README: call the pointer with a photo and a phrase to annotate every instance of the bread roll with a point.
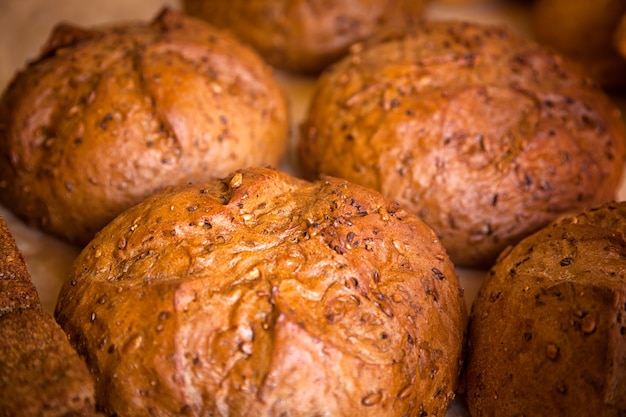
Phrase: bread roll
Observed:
(106, 116)
(306, 35)
(584, 30)
(485, 135)
(17, 291)
(266, 295)
(40, 373)
(547, 330)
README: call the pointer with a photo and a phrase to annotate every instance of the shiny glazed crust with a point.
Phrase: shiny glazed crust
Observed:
(107, 116)
(548, 328)
(265, 295)
(484, 135)
(306, 35)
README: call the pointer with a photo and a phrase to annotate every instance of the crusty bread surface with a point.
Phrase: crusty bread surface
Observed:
(266, 295)
(106, 116)
(547, 330)
(486, 135)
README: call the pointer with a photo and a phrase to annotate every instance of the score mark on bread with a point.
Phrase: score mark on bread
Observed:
(262, 294)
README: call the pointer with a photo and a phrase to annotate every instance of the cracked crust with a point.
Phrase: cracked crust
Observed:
(485, 135)
(266, 295)
(107, 116)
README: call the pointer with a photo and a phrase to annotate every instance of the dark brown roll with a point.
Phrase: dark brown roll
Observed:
(106, 116)
(40, 372)
(17, 291)
(548, 328)
(266, 295)
(306, 35)
(485, 135)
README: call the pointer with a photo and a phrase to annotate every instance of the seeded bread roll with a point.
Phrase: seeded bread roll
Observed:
(107, 116)
(266, 295)
(485, 135)
(306, 35)
(548, 328)
(40, 372)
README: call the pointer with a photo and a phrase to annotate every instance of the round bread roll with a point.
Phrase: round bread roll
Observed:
(548, 328)
(485, 135)
(306, 35)
(584, 30)
(266, 295)
(106, 116)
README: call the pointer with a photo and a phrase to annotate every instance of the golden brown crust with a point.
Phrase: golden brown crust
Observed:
(547, 328)
(484, 135)
(85, 134)
(306, 35)
(265, 295)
